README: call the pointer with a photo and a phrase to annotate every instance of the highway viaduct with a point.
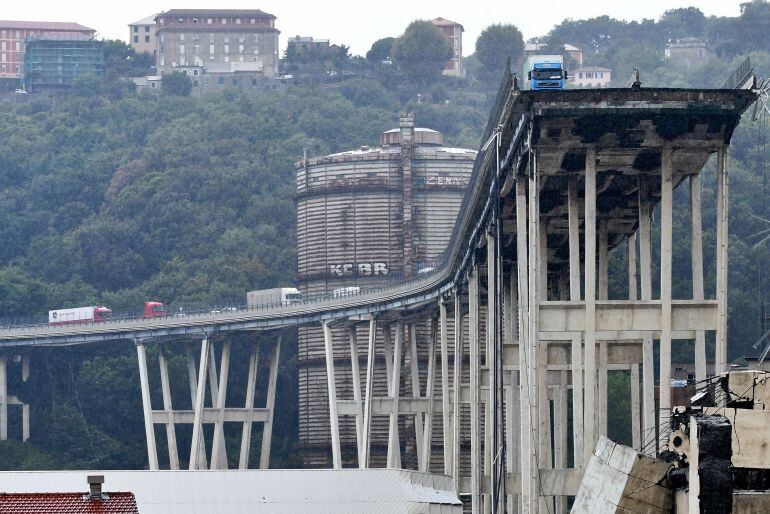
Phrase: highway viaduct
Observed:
(562, 179)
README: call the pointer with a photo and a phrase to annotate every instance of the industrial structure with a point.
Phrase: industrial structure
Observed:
(562, 179)
(55, 61)
(217, 40)
(367, 218)
(14, 35)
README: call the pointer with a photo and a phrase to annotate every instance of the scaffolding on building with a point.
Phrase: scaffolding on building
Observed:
(56, 60)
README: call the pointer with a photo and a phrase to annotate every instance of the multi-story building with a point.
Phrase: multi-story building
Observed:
(306, 43)
(689, 52)
(217, 40)
(143, 36)
(56, 60)
(453, 32)
(591, 76)
(571, 51)
(14, 34)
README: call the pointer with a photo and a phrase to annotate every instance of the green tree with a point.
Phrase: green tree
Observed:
(177, 83)
(498, 43)
(422, 52)
(380, 50)
(121, 60)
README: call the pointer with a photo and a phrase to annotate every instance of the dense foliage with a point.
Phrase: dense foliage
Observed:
(114, 198)
(421, 52)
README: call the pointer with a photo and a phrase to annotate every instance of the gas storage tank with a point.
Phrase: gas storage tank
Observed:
(368, 217)
(373, 215)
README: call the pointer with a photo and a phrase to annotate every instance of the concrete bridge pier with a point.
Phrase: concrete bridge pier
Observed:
(7, 400)
(218, 414)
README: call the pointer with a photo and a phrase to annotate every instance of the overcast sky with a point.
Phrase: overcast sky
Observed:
(358, 23)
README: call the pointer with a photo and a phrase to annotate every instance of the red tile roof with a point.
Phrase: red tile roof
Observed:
(66, 503)
(59, 26)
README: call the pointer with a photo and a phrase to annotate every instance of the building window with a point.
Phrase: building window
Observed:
(146, 28)
(195, 20)
(227, 58)
(136, 29)
(3, 34)
(181, 37)
(237, 21)
(224, 21)
(580, 75)
(253, 82)
(180, 20)
(146, 39)
(253, 21)
(195, 72)
(240, 58)
(3, 57)
(241, 48)
(195, 83)
(181, 49)
(18, 46)
(209, 21)
(221, 80)
(227, 48)
(136, 39)
(211, 49)
(3, 48)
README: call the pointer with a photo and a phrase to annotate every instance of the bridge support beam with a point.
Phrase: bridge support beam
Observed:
(149, 427)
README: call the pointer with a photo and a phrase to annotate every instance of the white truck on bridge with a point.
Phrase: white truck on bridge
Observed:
(276, 296)
(92, 314)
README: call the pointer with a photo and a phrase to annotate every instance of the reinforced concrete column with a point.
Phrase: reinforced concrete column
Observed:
(267, 428)
(720, 361)
(25, 406)
(367, 431)
(427, 437)
(415, 375)
(201, 462)
(603, 351)
(590, 303)
(560, 423)
(666, 250)
(696, 230)
(577, 342)
(200, 396)
(243, 461)
(4, 399)
(393, 438)
(636, 435)
(649, 433)
(475, 396)
(218, 449)
(214, 390)
(149, 427)
(331, 388)
(529, 469)
(491, 419)
(173, 454)
(355, 373)
(457, 387)
(446, 410)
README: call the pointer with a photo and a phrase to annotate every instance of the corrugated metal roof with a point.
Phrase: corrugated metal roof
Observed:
(59, 26)
(66, 503)
(259, 491)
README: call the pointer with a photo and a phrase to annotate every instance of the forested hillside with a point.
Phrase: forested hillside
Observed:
(114, 198)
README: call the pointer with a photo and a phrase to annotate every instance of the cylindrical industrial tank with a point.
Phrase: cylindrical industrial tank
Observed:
(368, 217)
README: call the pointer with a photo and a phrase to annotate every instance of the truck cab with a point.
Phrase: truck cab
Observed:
(545, 72)
(154, 310)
